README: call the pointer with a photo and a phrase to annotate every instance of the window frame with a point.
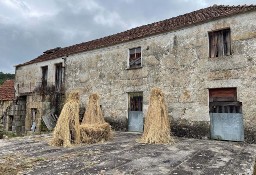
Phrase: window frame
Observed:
(129, 58)
(224, 100)
(44, 76)
(135, 101)
(59, 76)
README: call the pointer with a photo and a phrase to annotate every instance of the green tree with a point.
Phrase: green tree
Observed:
(6, 76)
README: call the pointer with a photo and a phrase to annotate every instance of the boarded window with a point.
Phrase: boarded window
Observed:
(224, 100)
(135, 57)
(219, 43)
(58, 77)
(135, 101)
(44, 76)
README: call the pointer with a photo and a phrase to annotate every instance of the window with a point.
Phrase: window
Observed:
(58, 77)
(224, 100)
(135, 101)
(135, 57)
(44, 76)
(219, 43)
(222, 94)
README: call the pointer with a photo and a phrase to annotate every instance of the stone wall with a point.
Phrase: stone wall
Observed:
(178, 62)
(42, 108)
(27, 84)
(19, 117)
(14, 117)
(29, 77)
(3, 106)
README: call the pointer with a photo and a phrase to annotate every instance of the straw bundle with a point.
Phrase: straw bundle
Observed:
(94, 128)
(67, 130)
(93, 113)
(157, 123)
(93, 133)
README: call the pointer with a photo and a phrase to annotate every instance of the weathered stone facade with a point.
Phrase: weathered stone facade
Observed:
(28, 84)
(178, 62)
(4, 105)
(12, 113)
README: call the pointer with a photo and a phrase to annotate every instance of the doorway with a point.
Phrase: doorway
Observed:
(10, 122)
(135, 112)
(226, 118)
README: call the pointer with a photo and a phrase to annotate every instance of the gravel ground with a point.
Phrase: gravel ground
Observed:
(123, 155)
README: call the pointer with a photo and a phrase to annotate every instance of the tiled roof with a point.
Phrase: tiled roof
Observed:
(192, 18)
(7, 91)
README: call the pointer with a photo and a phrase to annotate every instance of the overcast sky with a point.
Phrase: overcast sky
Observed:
(29, 27)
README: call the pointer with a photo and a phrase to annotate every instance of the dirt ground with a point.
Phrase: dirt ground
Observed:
(123, 155)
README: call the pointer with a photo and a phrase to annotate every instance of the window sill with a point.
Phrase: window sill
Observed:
(131, 68)
(224, 56)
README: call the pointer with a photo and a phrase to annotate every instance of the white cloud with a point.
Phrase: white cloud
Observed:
(29, 27)
(109, 18)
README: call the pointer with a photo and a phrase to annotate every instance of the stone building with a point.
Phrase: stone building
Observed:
(40, 86)
(204, 62)
(7, 97)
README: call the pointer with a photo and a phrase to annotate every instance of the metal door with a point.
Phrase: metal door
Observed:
(135, 113)
(227, 126)
(135, 121)
(226, 114)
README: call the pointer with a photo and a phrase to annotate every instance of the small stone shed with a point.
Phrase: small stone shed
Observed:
(7, 97)
(204, 61)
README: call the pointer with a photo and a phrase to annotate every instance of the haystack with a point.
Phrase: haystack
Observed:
(157, 123)
(94, 128)
(93, 133)
(67, 129)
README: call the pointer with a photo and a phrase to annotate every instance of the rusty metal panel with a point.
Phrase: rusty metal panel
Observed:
(135, 122)
(227, 126)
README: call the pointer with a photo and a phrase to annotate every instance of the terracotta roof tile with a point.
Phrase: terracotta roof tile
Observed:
(7, 91)
(196, 17)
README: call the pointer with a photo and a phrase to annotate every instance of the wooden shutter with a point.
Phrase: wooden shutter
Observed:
(220, 44)
(212, 45)
(228, 41)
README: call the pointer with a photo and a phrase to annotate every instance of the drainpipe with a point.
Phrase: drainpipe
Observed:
(64, 72)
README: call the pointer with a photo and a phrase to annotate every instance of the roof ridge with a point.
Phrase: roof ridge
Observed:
(162, 26)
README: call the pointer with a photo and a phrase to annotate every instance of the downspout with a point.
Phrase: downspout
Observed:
(64, 73)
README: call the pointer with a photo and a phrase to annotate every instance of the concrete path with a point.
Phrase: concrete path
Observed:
(123, 155)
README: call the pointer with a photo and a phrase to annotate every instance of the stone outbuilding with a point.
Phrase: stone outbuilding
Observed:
(7, 97)
(204, 62)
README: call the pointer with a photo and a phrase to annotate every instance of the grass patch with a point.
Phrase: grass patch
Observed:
(15, 163)
(11, 134)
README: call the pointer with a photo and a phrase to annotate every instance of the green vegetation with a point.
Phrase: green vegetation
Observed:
(6, 76)
(10, 134)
